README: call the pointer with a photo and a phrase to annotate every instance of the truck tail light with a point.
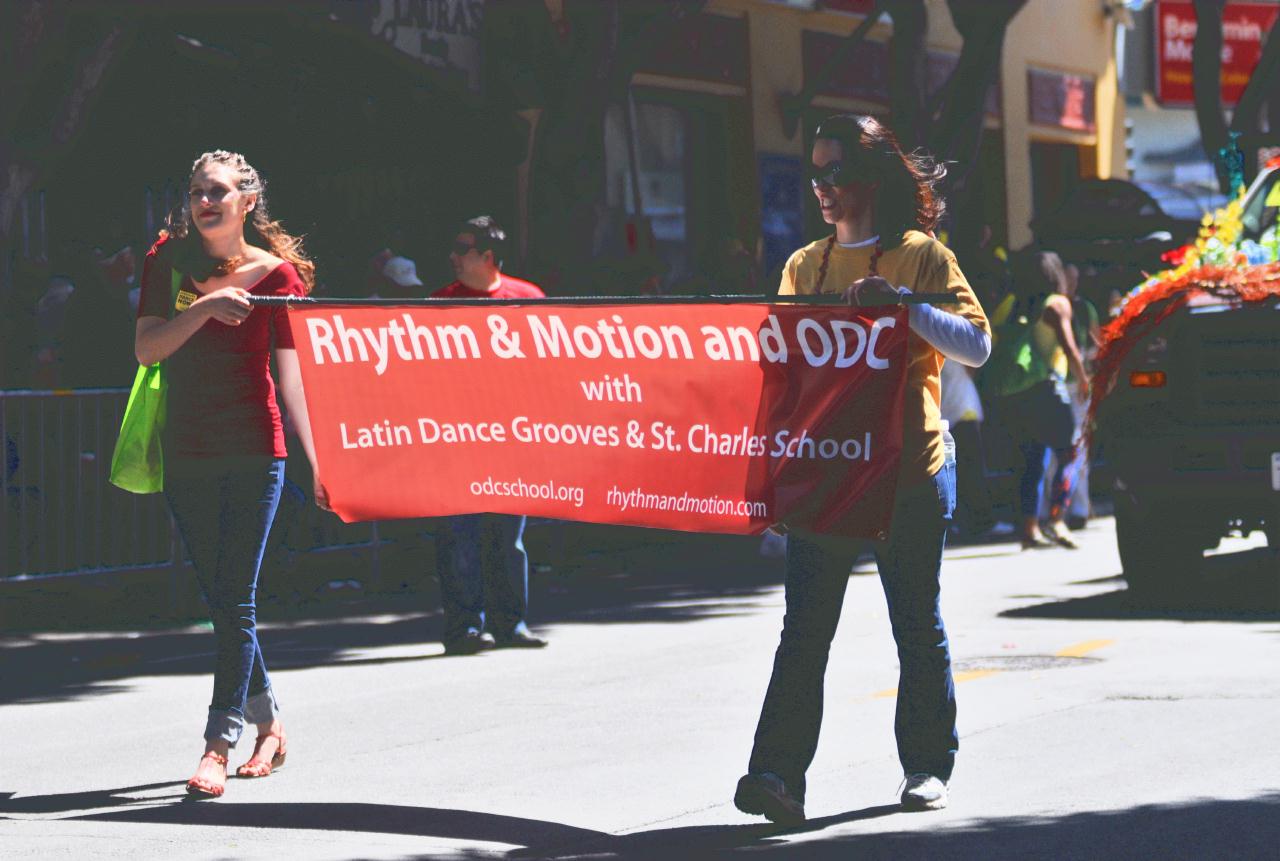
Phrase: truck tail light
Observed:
(1147, 379)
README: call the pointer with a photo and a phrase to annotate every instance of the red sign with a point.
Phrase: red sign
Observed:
(718, 418)
(1244, 27)
(1061, 100)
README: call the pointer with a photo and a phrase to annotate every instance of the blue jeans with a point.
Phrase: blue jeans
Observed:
(484, 573)
(910, 563)
(224, 508)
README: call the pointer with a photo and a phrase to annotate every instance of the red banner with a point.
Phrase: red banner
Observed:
(1244, 27)
(709, 417)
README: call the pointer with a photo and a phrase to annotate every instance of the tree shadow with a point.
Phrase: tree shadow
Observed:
(366, 818)
(1200, 828)
(618, 576)
(89, 800)
(1207, 828)
(1231, 587)
(697, 841)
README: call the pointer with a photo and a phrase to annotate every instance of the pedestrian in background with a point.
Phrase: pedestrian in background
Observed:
(223, 441)
(1086, 328)
(482, 564)
(399, 279)
(961, 409)
(882, 205)
(391, 276)
(1034, 403)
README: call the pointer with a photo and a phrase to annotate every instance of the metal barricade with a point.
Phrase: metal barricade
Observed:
(59, 515)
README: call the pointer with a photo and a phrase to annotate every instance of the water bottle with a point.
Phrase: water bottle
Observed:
(948, 443)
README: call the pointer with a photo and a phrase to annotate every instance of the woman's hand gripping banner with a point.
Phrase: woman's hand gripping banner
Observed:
(699, 417)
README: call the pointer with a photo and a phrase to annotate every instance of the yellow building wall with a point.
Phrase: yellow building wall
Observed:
(1072, 36)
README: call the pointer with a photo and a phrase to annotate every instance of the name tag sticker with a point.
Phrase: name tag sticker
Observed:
(184, 300)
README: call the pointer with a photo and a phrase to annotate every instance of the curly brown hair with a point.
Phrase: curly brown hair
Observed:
(908, 196)
(272, 233)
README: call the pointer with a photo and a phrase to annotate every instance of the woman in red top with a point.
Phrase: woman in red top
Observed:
(224, 443)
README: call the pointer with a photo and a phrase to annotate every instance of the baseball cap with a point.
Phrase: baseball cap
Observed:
(402, 271)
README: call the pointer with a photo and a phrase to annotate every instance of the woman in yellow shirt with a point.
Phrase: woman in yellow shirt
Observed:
(882, 206)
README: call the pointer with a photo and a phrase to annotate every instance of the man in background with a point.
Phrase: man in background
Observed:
(483, 567)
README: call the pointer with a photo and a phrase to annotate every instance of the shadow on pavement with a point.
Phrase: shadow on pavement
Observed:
(1232, 587)
(371, 818)
(697, 841)
(1199, 829)
(670, 577)
(1206, 828)
(68, 801)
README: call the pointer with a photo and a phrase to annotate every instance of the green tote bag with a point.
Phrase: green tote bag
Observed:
(137, 465)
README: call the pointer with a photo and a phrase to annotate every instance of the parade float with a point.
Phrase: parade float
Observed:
(1185, 406)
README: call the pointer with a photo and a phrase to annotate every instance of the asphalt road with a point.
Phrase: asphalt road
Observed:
(1091, 727)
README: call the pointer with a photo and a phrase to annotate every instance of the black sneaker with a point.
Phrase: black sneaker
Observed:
(924, 792)
(765, 794)
(470, 643)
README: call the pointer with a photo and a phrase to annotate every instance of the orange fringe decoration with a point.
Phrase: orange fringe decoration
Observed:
(1148, 309)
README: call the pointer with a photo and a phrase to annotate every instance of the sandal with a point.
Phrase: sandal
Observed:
(201, 788)
(1059, 533)
(257, 767)
(1036, 542)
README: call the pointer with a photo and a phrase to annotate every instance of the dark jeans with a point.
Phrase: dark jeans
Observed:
(1034, 456)
(484, 573)
(1040, 419)
(224, 508)
(910, 564)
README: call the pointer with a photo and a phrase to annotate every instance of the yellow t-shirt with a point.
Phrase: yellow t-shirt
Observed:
(923, 265)
(1045, 339)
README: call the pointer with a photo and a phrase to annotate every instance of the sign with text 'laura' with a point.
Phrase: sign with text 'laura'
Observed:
(718, 418)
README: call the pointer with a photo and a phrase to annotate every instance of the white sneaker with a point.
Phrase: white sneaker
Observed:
(924, 792)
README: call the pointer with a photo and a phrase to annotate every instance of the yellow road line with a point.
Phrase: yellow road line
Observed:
(966, 676)
(1076, 650)
(1082, 649)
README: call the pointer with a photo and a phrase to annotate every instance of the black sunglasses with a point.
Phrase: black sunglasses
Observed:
(461, 248)
(837, 173)
(831, 174)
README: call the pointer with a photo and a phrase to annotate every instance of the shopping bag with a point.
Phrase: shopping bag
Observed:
(137, 464)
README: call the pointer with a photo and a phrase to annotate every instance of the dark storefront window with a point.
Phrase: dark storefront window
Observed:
(697, 223)
(1055, 170)
(658, 147)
